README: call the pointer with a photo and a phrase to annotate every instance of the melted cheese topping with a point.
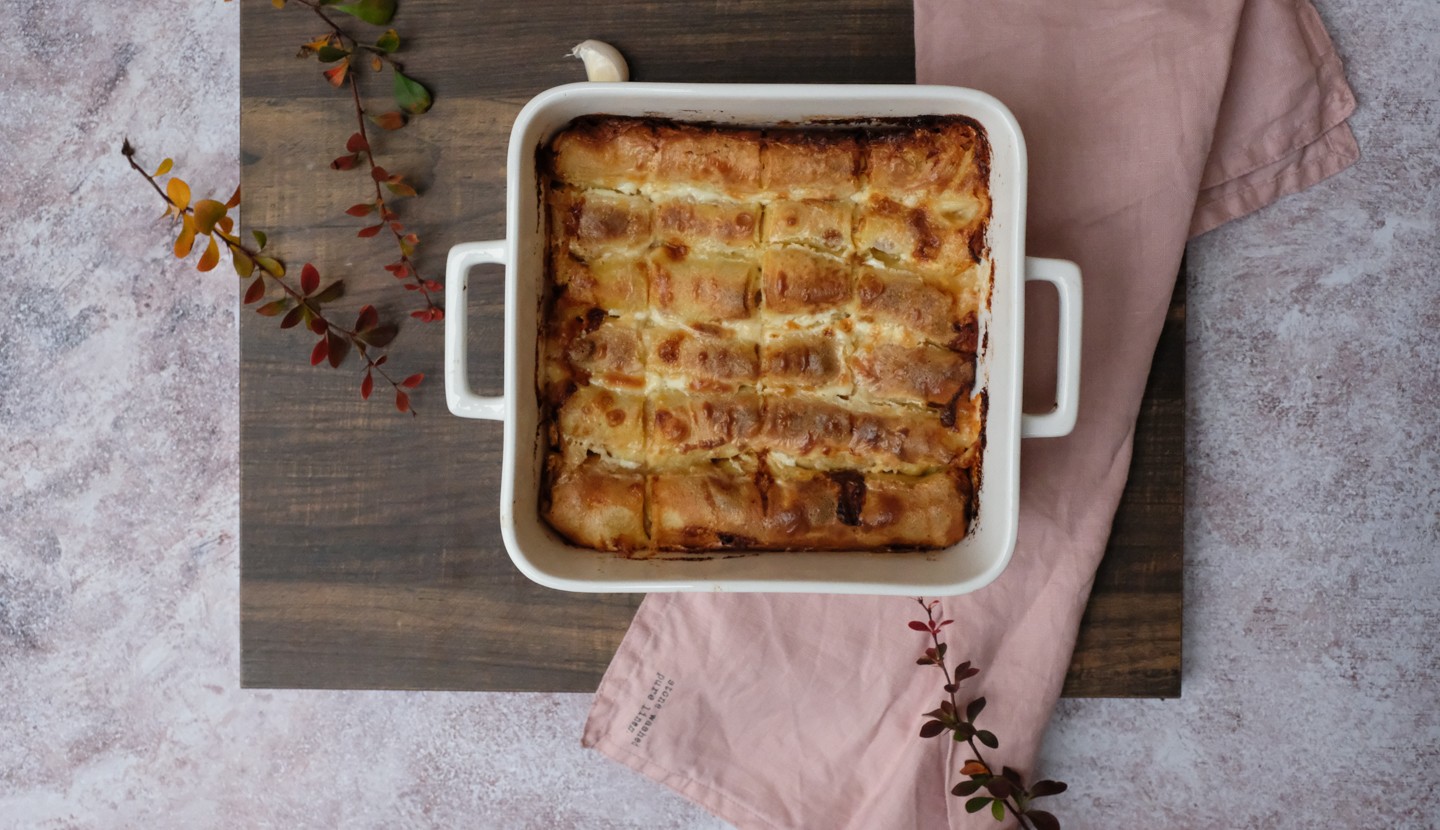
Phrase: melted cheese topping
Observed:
(763, 339)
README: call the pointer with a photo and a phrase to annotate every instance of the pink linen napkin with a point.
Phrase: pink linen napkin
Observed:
(1147, 121)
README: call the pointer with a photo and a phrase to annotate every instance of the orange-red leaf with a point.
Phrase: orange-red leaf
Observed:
(186, 240)
(367, 386)
(255, 291)
(272, 308)
(366, 233)
(339, 347)
(179, 193)
(390, 120)
(320, 352)
(210, 258)
(345, 162)
(973, 767)
(402, 401)
(413, 381)
(376, 64)
(309, 279)
(356, 143)
(362, 209)
(379, 174)
(226, 225)
(234, 198)
(336, 77)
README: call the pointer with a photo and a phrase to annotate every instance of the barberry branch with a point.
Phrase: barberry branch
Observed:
(1007, 790)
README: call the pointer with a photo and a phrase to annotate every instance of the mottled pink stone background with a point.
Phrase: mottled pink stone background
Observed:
(1312, 675)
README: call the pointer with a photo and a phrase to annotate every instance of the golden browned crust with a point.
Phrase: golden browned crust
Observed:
(762, 339)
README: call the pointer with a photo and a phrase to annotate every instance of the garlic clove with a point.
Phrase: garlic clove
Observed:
(603, 62)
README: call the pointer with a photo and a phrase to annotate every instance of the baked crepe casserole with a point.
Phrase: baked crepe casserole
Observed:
(762, 339)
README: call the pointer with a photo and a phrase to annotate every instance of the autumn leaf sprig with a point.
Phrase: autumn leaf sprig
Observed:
(1005, 791)
(305, 303)
(342, 49)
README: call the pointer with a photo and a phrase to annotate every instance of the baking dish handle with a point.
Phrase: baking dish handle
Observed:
(1065, 276)
(458, 395)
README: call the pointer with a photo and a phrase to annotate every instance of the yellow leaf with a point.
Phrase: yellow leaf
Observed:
(207, 213)
(179, 193)
(279, 4)
(973, 767)
(271, 266)
(186, 240)
(211, 257)
(244, 265)
(164, 167)
(226, 224)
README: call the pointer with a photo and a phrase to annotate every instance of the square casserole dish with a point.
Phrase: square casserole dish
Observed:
(543, 556)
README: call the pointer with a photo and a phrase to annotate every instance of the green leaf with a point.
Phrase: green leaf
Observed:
(388, 42)
(997, 809)
(965, 788)
(1043, 820)
(975, 708)
(273, 307)
(330, 54)
(271, 266)
(1047, 787)
(987, 738)
(377, 12)
(260, 238)
(976, 804)
(331, 292)
(410, 95)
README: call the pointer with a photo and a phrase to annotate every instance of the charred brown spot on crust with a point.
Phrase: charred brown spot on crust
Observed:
(616, 417)
(672, 428)
(850, 501)
(669, 349)
(927, 243)
(763, 480)
(978, 243)
(734, 540)
(967, 334)
(594, 318)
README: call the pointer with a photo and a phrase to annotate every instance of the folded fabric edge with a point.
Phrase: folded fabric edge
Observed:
(721, 804)
(1313, 163)
(1288, 135)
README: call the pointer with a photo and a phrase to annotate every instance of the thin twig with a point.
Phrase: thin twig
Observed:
(955, 701)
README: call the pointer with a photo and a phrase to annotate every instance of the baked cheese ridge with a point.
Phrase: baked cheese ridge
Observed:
(762, 339)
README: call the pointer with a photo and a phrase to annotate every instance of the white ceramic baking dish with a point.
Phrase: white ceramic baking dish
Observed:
(974, 562)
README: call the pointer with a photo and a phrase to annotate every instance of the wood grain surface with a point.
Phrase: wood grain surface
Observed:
(370, 550)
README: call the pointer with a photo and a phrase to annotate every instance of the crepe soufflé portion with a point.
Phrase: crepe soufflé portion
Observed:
(762, 339)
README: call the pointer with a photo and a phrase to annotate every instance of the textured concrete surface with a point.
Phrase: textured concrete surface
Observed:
(1313, 575)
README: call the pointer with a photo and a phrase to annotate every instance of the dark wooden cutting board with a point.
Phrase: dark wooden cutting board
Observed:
(370, 550)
